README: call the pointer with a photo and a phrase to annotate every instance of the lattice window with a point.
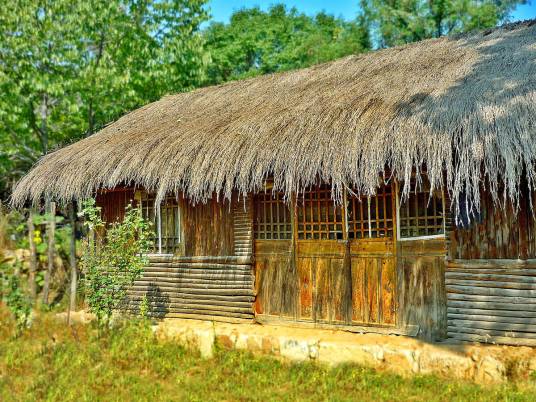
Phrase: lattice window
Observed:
(318, 216)
(421, 214)
(272, 217)
(371, 217)
(166, 222)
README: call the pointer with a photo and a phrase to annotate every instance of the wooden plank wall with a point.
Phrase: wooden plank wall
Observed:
(499, 233)
(214, 280)
(208, 229)
(211, 288)
(113, 203)
(491, 276)
(421, 287)
(492, 301)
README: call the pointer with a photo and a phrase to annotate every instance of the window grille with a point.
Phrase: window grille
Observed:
(318, 216)
(371, 217)
(422, 214)
(272, 217)
(166, 222)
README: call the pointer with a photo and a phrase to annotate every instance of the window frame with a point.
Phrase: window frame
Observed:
(158, 243)
(425, 237)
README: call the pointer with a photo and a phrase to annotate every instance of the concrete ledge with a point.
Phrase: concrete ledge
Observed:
(400, 354)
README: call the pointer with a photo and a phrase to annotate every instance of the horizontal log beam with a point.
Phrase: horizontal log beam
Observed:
(185, 301)
(491, 332)
(503, 340)
(195, 307)
(518, 277)
(493, 312)
(201, 266)
(169, 289)
(166, 312)
(497, 326)
(490, 305)
(491, 284)
(195, 281)
(492, 299)
(239, 260)
(195, 296)
(502, 263)
(485, 291)
(473, 316)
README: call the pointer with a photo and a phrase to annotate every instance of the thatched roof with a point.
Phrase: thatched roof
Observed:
(461, 105)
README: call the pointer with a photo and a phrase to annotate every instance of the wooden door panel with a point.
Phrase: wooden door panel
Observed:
(305, 286)
(339, 294)
(372, 284)
(358, 290)
(321, 289)
(388, 287)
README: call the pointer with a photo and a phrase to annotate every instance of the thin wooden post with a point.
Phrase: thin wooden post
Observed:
(347, 261)
(51, 228)
(33, 256)
(72, 260)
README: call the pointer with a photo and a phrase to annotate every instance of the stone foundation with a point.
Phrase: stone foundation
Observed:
(475, 362)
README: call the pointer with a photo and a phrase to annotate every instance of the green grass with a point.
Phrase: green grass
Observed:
(51, 362)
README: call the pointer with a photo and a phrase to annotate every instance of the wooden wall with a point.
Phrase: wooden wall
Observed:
(208, 229)
(113, 203)
(211, 288)
(492, 301)
(215, 280)
(498, 233)
(491, 276)
(421, 287)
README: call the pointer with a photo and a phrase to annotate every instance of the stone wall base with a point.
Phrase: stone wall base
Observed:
(403, 355)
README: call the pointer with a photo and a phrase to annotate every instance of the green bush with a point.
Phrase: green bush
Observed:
(114, 260)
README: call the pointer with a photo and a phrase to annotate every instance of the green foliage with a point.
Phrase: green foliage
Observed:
(16, 300)
(71, 363)
(69, 66)
(116, 260)
(144, 307)
(257, 42)
(396, 22)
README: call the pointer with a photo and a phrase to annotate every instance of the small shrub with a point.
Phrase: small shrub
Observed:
(18, 303)
(114, 261)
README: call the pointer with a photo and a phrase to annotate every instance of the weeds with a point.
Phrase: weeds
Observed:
(55, 362)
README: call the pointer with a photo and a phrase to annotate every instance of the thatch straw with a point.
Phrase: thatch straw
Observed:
(465, 106)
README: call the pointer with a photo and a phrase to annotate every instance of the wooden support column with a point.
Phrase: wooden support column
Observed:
(33, 256)
(72, 260)
(347, 261)
(51, 245)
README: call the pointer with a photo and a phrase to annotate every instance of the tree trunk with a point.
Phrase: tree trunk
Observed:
(72, 258)
(33, 257)
(50, 235)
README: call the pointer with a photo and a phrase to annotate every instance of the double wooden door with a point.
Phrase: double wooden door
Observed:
(327, 281)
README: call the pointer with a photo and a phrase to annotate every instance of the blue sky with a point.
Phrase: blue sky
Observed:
(222, 9)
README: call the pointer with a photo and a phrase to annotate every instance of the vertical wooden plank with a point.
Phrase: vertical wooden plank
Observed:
(338, 287)
(305, 310)
(321, 300)
(388, 287)
(371, 291)
(358, 291)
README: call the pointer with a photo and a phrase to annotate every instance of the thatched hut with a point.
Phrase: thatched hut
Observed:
(386, 192)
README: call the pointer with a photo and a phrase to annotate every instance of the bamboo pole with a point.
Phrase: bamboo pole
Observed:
(51, 228)
(72, 259)
(33, 256)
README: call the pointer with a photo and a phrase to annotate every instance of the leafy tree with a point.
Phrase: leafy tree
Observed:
(395, 22)
(257, 42)
(119, 261)
(69, 66)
